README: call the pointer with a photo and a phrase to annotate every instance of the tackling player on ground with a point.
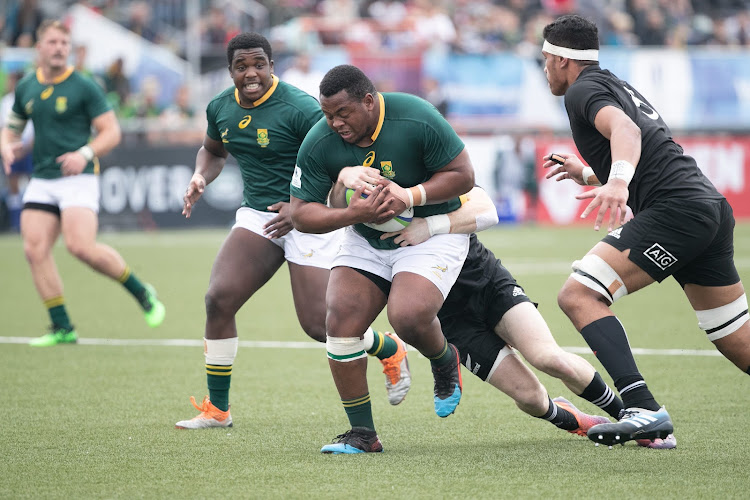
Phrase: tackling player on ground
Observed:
(63, 194)
(486, 310)
(682, 226)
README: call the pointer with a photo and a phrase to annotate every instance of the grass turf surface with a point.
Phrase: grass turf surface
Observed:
(96, 421)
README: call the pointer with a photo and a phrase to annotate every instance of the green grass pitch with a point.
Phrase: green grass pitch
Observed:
(96, 420)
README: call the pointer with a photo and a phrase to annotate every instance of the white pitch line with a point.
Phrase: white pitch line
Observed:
(272, 344)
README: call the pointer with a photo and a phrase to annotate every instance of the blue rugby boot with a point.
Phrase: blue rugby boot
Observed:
(634, 423)
(355, 440)
(448, 385)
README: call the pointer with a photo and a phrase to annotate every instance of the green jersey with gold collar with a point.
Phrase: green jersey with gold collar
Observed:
(62, 112)
(264, 139)
(411, 142)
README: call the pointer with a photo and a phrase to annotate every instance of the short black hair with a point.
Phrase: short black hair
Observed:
(573, 32)
(349, 78)
(248, 40)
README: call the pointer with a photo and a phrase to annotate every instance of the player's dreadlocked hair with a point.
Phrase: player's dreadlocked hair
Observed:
(248, 41)
(349, 78)
(574, 32)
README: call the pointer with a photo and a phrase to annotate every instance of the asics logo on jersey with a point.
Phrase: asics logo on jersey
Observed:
(308, 255)
(47, 92)
(642, 106)
(245, 121)
(659, 256)
(369, 159)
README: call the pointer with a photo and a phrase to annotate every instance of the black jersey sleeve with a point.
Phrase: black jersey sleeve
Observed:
(586, 98)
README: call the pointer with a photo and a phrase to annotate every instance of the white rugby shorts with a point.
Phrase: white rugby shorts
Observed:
(305, 249)
(71, 191)
(438, 259)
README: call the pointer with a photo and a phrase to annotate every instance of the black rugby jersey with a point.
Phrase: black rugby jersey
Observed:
(663, 171)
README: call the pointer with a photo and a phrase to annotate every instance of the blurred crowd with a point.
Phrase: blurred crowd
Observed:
(301, 26)
(468, 26)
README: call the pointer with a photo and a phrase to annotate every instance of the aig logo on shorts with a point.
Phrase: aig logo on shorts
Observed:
(659, 256)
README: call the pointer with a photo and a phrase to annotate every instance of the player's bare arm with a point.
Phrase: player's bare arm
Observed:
(107, 136)
(312, 217)
(10, 141)
(209, 163)
(625, 143)
(477, 213)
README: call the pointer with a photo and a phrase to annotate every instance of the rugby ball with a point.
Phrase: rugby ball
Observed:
(396, 224)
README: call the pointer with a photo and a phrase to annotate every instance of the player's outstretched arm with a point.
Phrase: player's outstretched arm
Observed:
(10, 141)
(476, 213)
(209, 163)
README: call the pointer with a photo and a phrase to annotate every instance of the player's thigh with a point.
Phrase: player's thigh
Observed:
(309, 284)
(524, 328)
(353, 301)
(79, 226)
(413, 295)
(245, 262)
(39, 230)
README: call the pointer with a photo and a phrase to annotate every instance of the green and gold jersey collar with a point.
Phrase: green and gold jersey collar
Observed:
(263, 99)
(381, 118)
(58, 79)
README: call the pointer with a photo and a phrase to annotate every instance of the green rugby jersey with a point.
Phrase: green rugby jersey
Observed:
(264, 139)
(62, 112)
(411, 142)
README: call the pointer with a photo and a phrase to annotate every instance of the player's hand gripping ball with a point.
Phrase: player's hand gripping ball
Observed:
(396, 224)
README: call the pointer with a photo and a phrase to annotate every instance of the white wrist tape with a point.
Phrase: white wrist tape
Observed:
(622, 169)
(589, 175)
(438, 224)
(424, 194)
(411, 198)
(86, 152)
(487, 219)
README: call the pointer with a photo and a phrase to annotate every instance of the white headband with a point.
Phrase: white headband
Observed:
(577, 54)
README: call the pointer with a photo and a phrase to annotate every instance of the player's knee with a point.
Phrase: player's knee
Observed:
(79, 250)
(314, 328)
(600, 282)
(219, 303)
(725, 320)
(35, 251)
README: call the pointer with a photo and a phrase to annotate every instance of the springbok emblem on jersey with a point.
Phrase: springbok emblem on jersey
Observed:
(224, 135)
(61, 104)
(386, 168)
(263, 137)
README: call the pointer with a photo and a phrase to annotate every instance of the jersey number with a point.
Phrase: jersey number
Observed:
(642, 106)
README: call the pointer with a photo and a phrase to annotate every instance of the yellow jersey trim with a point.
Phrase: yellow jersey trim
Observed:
(56, 80)
(381, 119)
(263, 99)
